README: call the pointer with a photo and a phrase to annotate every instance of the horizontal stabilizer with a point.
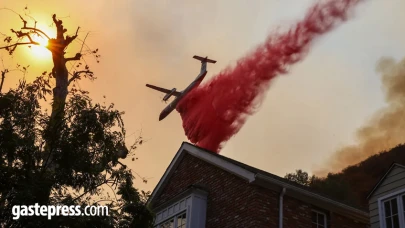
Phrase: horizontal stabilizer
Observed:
(206, 59)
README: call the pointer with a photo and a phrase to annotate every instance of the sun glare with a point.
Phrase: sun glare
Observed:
(40, 51)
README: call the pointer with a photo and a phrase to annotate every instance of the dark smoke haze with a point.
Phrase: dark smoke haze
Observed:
(386, 129)
(215, 111)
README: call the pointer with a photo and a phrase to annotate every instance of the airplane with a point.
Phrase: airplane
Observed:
(180, 94)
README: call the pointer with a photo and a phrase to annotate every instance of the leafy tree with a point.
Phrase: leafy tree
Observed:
(332, 185)
(70, 156)
(134, 211)
(300, 177)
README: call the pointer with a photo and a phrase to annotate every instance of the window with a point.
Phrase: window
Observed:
(318, 219)
(178, 221)
(393, 212)
(181, 221)
(175, 213)
(168, 224)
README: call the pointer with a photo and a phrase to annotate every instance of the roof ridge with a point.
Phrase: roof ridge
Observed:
(257, 170)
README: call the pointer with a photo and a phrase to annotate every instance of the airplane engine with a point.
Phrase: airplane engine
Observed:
(167, 96)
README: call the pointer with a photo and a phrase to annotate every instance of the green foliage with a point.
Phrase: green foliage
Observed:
(86, 153)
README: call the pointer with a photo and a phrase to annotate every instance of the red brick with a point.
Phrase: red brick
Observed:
(233, 202)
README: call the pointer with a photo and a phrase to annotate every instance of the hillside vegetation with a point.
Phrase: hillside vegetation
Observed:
(354, 183)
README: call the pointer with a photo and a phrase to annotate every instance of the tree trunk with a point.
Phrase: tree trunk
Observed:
(60, 92)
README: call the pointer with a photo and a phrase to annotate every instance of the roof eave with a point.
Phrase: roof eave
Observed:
(177, 158)
(351, 211)
(383, 178)
(251, 177)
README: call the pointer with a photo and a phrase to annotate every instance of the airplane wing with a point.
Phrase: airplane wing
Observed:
(163, 90)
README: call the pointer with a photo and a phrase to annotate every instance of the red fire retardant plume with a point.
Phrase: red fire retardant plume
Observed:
(215, 111)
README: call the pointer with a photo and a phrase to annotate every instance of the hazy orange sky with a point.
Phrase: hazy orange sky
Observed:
(307, 115)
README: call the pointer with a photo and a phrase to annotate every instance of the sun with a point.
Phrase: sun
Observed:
(40, 51)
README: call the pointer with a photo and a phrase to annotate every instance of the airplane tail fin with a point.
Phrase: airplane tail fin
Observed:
(206, 59)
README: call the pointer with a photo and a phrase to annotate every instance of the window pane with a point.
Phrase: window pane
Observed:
(181, 221)
(168, 224)
(387, 208)
(184, 219)
(394, 206)
(395, 221)
(321, 219)
(314, 225)
(314, 218)
(388, 222)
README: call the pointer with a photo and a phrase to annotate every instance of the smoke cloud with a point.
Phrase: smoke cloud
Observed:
(215, 111)
(386, 129)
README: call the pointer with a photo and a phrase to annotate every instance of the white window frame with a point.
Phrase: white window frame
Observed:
(401, 207)
(175, 219)
(192, 201)
(325, 220)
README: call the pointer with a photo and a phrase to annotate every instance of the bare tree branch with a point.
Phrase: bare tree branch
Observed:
(20, 34)
(37, 31)
(83, 43)
(14, 46)
(32, 30)
(24, 21)
(95, 187)
(77, 57)
(116, 198)
(3, 76)
(59, 28)
(69, 39)
(76, 75)
(144, 180)
(4, 8)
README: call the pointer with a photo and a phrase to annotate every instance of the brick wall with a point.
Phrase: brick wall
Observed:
(338, 221)
(233, 202)
(297, 214)
(236, 202)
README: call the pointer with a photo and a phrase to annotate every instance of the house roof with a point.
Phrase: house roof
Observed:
(254, 176)
(393, 165)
